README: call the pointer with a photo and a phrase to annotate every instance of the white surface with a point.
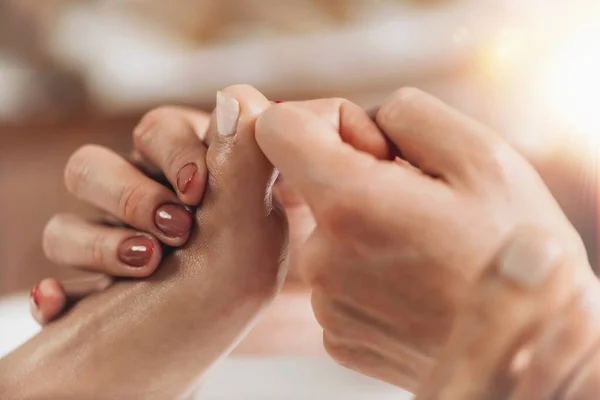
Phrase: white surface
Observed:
(289, 378)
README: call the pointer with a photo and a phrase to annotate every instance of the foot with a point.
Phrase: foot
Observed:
(152, 339)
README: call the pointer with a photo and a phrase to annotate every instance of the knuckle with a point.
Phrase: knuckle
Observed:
(50, 236)
(333, 321)
(144, 132)
(129, 200)
(96, 249)
(399, 103)
(78, 167)
(500, 162)
(497, 162)
(340, 351)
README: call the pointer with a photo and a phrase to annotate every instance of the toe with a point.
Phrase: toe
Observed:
(238, 206)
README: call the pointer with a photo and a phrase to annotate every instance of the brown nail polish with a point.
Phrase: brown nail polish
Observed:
(136, 251)
(173, 220)
(185, 176)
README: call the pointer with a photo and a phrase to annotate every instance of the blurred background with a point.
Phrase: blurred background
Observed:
(77, 71)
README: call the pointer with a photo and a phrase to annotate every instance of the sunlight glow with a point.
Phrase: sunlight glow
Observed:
(569, 84)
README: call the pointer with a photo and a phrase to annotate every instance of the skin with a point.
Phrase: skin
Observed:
(204, 297)
(520, 341)
(102, 178)
(390, 267)
(165, 140)
(396, 246)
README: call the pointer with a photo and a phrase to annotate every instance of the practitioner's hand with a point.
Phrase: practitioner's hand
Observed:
(396, 245)
(143, 214)
(529, 330)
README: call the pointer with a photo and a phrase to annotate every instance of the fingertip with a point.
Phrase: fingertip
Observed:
(174, 222)
(359, 130)
(281, 127)
(191, 183)
(48, 300)
(139, 256)
(252, 102)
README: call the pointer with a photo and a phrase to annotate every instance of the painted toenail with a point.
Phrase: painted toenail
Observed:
(228, 113)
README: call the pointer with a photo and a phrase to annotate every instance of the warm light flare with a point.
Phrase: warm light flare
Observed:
(569, 85)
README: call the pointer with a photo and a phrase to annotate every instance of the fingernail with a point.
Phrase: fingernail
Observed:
(528, 261)
(136, 251)
(173, 220)
(228, 113)
(35, 295)
(185, 176)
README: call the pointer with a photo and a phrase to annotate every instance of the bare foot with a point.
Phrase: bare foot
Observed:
(152, 339)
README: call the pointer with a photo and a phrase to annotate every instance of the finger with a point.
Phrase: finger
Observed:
(343, 322)
(356, 128)
(529, 284)
(47, 301)
(308, 151)
(438, 139)
(238, 106)
(369, 362)
(50, 298)
(564, 344)
(71, 241)
(102, 178)
(354, 125)
(404, 310)
(168, 137)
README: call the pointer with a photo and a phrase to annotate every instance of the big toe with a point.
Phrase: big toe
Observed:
(237, 210)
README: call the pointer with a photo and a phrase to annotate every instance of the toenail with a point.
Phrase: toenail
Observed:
(173, 220)
(228, 113)
(529, 261)
(136, 251)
